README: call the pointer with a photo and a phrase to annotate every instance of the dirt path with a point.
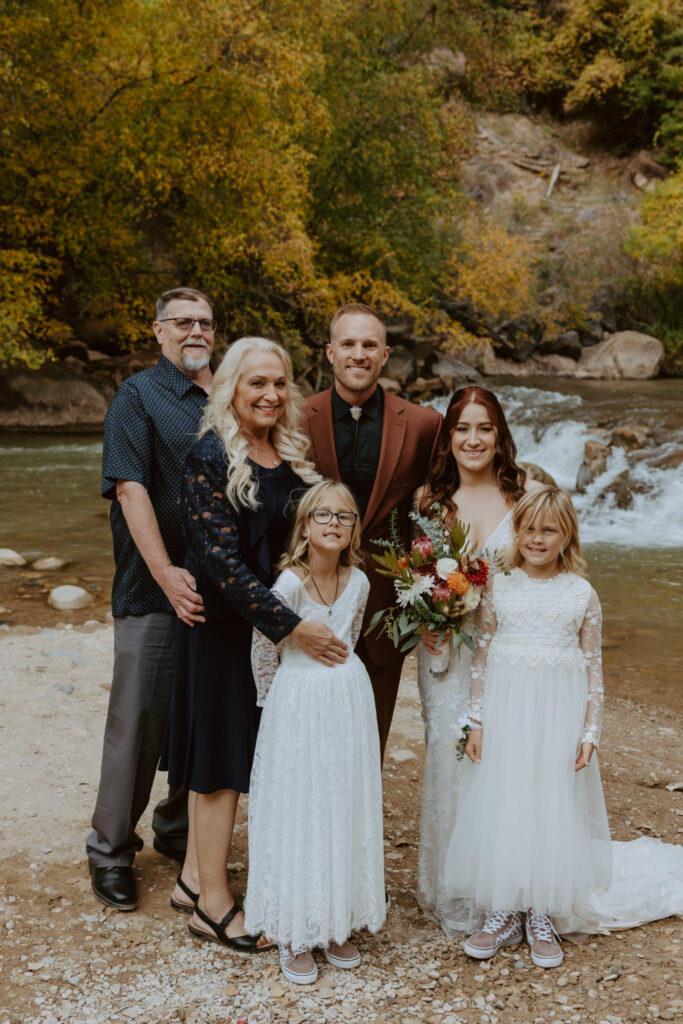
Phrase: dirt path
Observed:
(64, 957)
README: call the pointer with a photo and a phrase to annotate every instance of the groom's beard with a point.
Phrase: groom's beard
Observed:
(190, 363)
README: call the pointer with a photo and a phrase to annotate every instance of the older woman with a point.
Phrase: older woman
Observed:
(241, 479)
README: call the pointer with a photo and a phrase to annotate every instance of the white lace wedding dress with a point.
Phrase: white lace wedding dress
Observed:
(316, 852)
(532, 832)
(444, 700)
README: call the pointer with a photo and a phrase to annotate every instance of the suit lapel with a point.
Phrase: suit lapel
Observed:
(321, 430)
(393, 432)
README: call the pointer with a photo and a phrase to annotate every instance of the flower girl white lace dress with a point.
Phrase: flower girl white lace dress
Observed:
(532, 832)
(316, 853)
(444, 701)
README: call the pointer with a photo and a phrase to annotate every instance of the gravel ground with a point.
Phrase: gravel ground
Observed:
(64, 957)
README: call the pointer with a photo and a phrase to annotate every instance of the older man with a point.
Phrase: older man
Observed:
(380, 446)
(150, 425)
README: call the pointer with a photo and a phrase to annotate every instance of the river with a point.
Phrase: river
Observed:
(49, 493)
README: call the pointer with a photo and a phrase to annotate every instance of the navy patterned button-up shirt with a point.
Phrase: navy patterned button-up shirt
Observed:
(151, 424)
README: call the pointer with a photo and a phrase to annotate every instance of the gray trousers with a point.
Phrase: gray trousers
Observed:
(133, 737)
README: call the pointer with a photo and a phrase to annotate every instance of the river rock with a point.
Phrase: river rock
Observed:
(623, 489)
(49, 564)
(627, 355)
(49, 397)
(567, 344)
(554, 365)
(535, 472)
(594, 464)
(9, 557)
(390, 385)
(631, 435)
(68, 598)
(452, 371)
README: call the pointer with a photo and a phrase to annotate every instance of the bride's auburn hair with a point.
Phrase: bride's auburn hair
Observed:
(554, 504)
(443, 477)
(286, 437)
(296, 554)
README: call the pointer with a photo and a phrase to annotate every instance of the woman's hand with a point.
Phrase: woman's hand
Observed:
(319, 642)
(473, 747)
(434, 641)
(584, 758)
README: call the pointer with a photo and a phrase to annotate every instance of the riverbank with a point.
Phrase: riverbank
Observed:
(67, 958)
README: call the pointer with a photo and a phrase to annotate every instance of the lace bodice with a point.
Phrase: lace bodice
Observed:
(344, 617)
(533, 621)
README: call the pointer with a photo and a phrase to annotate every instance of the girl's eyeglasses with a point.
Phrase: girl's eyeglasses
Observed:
(322, 516)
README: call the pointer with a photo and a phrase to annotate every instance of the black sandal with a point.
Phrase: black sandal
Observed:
(241, 943)
(184, 908)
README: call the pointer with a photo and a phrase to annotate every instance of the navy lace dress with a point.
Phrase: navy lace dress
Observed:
(214, 718)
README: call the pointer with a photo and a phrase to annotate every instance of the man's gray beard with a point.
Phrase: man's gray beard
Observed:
(194, 365)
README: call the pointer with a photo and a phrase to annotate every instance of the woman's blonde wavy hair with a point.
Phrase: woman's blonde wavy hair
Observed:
(555, 504)
(287, 439)
(297, 546)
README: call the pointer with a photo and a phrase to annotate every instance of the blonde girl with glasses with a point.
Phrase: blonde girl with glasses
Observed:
(316, 867)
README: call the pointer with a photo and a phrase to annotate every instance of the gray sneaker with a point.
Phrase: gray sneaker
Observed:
(544, 942)
(501, 928)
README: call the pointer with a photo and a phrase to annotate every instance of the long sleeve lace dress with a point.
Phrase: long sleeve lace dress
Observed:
(532, 832)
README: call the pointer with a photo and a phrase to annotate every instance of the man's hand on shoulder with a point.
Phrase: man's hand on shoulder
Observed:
(180, 588)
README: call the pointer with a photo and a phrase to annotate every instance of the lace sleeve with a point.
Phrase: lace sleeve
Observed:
(265, 659)
(212, 531)
(590, 639)
(357, 624)
(485, 623)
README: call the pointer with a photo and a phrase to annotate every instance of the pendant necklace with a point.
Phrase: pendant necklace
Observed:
(265, 455)
(336, 588)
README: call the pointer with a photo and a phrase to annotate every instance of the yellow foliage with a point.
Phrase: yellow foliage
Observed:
(491, 268)
(658, 240)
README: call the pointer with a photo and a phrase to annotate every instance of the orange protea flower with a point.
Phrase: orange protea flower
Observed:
(458, 583)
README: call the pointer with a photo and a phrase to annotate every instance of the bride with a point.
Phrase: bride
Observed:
(476, 478)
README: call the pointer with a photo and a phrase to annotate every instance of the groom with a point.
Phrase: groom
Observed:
(380, 446)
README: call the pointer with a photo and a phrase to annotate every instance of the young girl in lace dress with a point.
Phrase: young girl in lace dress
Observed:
(532, 835)
(316, 864)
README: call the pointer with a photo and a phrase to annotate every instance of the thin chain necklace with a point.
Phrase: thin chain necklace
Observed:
(336, 590)
(264, 454)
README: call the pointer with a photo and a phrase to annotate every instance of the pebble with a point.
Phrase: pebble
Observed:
(68, 598)
(63, 687)
(402, 755)
(9, 557)
(49, 564)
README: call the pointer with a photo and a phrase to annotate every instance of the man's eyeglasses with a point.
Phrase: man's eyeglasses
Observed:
(186, 323)
(322, 516)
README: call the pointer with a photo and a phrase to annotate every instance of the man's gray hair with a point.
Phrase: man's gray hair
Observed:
(184, 294)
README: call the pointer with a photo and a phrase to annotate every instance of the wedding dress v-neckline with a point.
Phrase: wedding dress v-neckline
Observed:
(503, 521)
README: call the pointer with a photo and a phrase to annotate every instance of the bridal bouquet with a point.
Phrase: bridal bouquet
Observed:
(437, 583)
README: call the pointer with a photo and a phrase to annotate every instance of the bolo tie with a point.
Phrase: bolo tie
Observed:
(356, 411)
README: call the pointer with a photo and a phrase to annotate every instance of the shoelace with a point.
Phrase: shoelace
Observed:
(541, 926)
(494, 922)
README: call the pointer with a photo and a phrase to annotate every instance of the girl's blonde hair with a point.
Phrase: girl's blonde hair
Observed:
(219, 415)
(297, 547)
(555, 504)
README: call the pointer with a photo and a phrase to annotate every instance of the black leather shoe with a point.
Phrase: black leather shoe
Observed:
(115, 887)
(174, 851)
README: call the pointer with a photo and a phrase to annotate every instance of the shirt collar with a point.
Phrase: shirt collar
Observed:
(174, 379)
(372, 407)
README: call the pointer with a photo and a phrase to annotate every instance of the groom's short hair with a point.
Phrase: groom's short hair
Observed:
(356, 307)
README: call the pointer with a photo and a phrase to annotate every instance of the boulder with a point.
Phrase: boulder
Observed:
(555, 366)
(49, 397)
(9, 557)
(400, 365)
(535, 472)
(481, 356)
(68, 598)
(594, 463)
(49, 564)
(627, 355)
(591, 333)
(390, 385)
(453, 371)
(623, 489)
(521, 336)
(422, 390)
(631, 435)
(567, 344)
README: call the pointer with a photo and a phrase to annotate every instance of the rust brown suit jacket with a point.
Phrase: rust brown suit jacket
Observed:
(409, 436)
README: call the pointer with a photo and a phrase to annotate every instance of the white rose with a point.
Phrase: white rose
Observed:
(445, 566)
(471, 598)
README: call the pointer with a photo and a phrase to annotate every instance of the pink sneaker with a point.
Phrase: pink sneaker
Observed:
(344, 956)
(501, 928)
(300, 968)
(543, 940)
